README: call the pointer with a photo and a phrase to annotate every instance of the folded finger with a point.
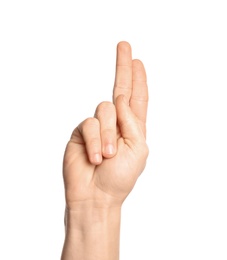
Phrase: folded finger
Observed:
(90, 131)
(106, 115)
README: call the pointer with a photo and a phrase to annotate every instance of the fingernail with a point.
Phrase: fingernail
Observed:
(97, 158)
(109, 149)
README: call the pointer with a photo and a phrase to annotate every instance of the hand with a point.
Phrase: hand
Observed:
(107, 153)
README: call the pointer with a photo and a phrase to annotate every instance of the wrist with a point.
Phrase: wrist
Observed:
(85, 218)
(92, 233)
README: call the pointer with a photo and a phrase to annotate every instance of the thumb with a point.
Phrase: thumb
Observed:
(128, 123)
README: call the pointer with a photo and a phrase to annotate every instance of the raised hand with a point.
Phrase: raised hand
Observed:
(107, 152)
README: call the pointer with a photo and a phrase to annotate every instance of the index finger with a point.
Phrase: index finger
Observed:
(123, 76)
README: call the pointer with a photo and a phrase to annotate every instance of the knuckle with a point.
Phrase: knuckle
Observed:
(94, 142)
(123, 85)
(108, 135)
(88, 124)
(104, 106)
(140, 98)
(108, 131)
(91, 121)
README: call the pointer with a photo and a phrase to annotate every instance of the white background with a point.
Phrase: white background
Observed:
(57, 61)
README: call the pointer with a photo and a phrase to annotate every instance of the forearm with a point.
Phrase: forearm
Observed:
(91, 234)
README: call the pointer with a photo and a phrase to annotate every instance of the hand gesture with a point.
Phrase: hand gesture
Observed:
(107, 153)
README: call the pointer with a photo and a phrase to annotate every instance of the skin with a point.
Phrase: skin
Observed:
(102, 161)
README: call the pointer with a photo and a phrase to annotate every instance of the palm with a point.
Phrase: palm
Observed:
(113, 178)
(116, 176)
